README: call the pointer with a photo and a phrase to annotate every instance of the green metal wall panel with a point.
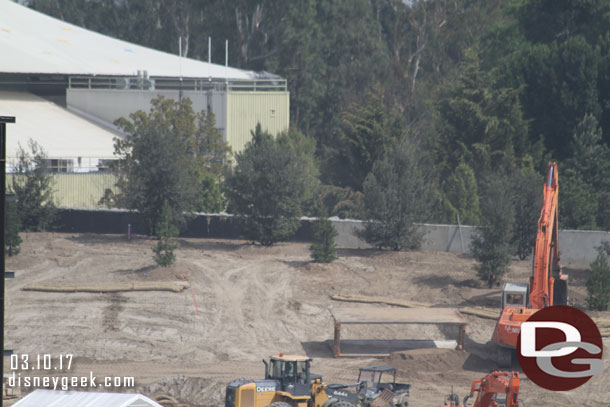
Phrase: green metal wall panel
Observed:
(75, 190)
(246, 109)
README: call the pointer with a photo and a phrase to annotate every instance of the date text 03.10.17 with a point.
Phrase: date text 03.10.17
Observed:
(45, 361)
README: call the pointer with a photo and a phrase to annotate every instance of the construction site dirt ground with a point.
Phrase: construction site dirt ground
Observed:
(245, 303)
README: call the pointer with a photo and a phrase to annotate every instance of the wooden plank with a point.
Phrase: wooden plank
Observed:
(381, 300)
(57, 287)
(482, 312)
(378, 315)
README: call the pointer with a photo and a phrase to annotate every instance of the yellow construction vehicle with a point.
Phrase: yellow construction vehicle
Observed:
(289, 383)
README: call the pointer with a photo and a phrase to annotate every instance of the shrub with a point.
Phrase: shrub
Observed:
(598, 285)
(323, 249)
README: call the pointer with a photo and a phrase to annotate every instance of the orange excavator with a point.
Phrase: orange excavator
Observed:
(548, 285)
(497, 389)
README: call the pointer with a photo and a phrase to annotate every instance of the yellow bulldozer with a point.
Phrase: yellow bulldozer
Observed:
(289, 383)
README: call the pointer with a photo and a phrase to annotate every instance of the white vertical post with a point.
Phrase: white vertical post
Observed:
(180, 52)
(180, 59)
(226, 61)
(210, 59)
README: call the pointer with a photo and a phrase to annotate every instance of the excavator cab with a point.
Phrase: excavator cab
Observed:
(515, 295)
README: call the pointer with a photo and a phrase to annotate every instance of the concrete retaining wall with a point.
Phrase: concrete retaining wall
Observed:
(577, 247)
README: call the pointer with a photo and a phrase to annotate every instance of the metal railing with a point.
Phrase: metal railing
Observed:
(72, 164)
(143, 82)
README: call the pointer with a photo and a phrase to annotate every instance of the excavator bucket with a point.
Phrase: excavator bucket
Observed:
(384, 399)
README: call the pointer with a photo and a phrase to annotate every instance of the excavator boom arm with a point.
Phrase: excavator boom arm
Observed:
(546, 256)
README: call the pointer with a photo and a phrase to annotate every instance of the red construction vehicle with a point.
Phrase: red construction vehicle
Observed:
(548, 286)
(495, 390)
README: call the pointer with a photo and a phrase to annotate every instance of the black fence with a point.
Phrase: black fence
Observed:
(117, 222)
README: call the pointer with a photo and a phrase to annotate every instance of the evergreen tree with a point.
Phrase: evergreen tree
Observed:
(212, 155)
(491, 243)
(598, 285)
(578, 202)
(323, 248)
(32, 186)
(397, 193)
(461, 197)
(527, 187)
(212, 198)
(366, 129)
(589, 178)
(559, 85)
(269, 184)
(481, 122)
(168, 157)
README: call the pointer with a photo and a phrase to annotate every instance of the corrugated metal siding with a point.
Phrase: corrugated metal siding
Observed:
(246, 109)
(78, 190)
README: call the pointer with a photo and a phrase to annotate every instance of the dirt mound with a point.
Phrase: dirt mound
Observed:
(414, 361)
(189, 391)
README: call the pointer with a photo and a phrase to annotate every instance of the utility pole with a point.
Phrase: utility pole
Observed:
(3, 121)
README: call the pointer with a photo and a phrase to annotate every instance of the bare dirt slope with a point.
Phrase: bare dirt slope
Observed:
(245, 303)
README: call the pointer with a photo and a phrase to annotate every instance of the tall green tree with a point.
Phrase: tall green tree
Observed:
(366, 129)
(491, 244)
(560, 85)
(481, 122)
(586, 184)
(527, 188)
(461, 197)
(270, 183)
(164, 158)
(295, 53)
(578, 202)
(212, 160)
(397, 193)
(32, 185)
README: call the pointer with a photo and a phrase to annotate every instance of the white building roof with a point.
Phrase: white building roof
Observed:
(53, 398)
(31, 42)
(60, 132)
